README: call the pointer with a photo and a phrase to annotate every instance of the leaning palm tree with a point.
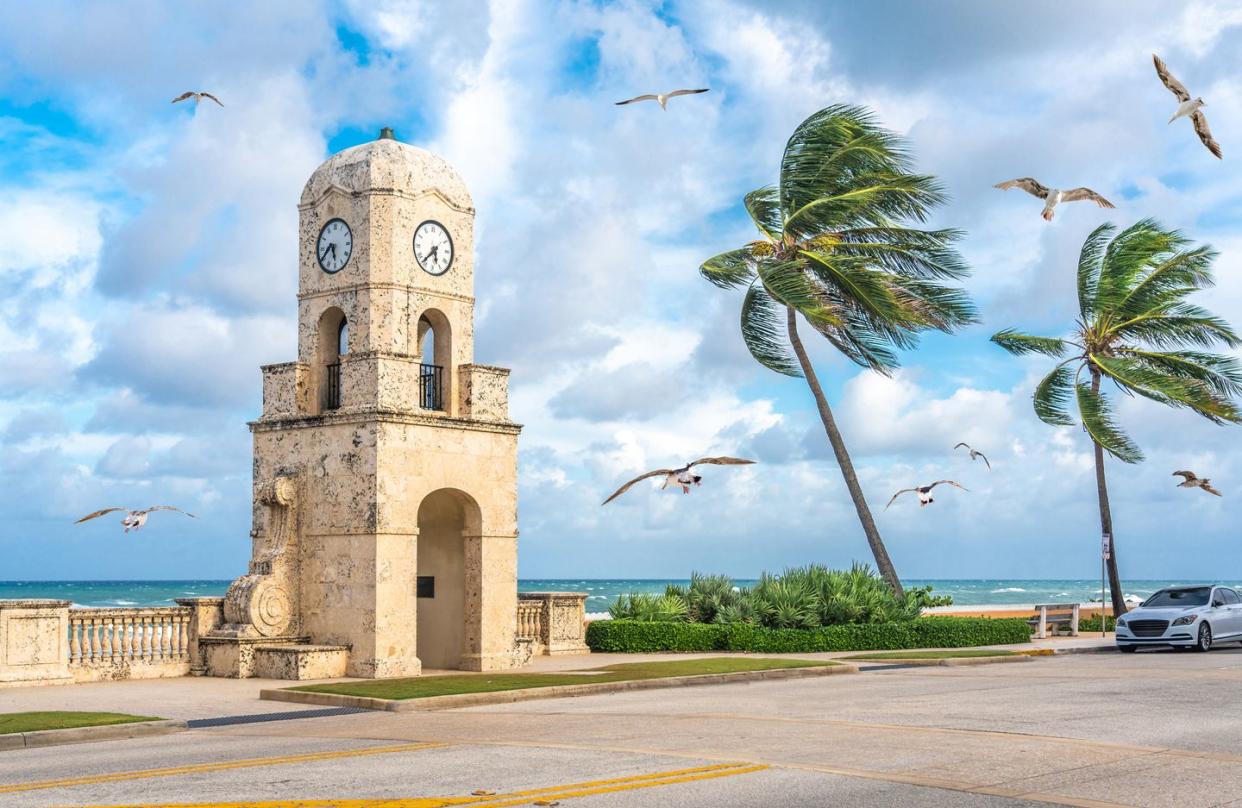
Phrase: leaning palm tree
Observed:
(836, 247)
(1136, 329)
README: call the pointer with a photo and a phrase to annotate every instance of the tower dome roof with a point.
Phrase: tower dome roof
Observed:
(388, 165)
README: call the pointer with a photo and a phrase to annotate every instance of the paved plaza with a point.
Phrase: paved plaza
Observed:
(1102, 729)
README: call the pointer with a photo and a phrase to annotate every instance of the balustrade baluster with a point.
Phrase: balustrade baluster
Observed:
(183, 637)
(165, 636)
(75, 648)
(147, 631)
(108, 626)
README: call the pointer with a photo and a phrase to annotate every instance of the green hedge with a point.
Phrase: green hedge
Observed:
(631, 636)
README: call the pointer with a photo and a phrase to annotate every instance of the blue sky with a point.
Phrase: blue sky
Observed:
(149, 256)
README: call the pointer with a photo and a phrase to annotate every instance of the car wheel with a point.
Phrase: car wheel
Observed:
(1127, 649)
(1205, 638)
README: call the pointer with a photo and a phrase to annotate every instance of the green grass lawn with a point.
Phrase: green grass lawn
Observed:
(30, 722)
(958, 654)
(425, 686)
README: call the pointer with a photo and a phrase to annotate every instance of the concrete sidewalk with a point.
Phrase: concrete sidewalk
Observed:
(189, 698)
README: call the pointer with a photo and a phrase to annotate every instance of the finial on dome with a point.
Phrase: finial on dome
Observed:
(386, 134)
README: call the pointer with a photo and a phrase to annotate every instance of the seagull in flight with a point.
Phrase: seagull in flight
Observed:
(1053, 196)
(661, 97)
(133, 519)
(682, 476)
(1187, 106)
(924, 492)
(1192, 480)
(975, 454)
(197, 96)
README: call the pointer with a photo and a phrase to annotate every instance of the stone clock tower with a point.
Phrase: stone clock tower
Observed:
(385, 463)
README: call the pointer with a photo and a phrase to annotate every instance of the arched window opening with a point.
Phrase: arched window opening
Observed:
(435, 357)
(333, 344)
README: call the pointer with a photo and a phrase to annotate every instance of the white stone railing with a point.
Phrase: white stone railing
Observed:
(555, 621)
(528, 619)
(109, 637)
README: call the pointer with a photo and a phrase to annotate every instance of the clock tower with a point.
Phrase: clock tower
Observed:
(385, 463)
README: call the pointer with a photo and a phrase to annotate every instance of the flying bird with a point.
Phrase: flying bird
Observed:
(975, 454)
(1192, 480)
(924, 492)
(681, 476)
(1187, 106)
(133, 519)
(1053, 196)
(661, 97)
(197, 96)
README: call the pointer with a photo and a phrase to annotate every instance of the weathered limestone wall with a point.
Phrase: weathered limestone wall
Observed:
(33, 642)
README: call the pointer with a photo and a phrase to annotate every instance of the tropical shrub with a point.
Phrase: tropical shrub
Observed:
(630, 636)
(799, 598)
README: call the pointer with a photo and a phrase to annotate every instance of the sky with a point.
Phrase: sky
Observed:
(148, 252)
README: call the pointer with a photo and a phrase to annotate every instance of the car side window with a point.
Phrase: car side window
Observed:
(1218, 597)
(1231, 597)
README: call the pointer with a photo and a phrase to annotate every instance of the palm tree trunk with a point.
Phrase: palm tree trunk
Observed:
(1106, 519)
(882, 561)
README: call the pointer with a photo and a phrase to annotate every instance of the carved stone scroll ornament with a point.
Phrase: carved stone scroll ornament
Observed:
(262, 602)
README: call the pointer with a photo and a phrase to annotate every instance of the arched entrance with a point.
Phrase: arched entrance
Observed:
(445, 517)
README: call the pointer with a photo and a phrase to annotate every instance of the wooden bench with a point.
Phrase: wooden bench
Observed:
(1056, 614)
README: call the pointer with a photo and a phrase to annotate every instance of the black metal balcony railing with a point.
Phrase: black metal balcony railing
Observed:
(332, 392)
(431, 387)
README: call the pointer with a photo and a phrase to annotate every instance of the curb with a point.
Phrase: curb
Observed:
(553, 692)
(948, 662)
(107, 732)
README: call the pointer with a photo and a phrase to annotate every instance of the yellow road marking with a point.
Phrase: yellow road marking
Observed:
(95, 779)
(513, 798)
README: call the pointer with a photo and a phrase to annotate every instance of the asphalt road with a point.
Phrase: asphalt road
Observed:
(1087, 730)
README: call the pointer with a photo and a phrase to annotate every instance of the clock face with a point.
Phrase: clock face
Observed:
(433, 249)
(335, 246)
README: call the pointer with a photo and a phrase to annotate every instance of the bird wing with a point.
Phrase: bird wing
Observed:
(899, 493)
(1205, 134)
(720, 461)
(97, 513)
(647, 97)
(167, 508)
(182, 97)
(637, 479)
(950, 482)
(1187, 475)
(688, 92)
(985, 458)
(960, 445)
(1076, 194)
(212, 97)
(1175, 86)
(1211, 490)
(1031, 186)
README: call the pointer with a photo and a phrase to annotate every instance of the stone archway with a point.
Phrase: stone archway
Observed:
(445, 518)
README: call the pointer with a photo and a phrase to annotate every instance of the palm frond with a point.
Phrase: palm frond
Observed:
(933, 305)
(1222, 373)
(905, 251)
(1175, 390)
(1177, 326)
(1168, 282)
(763, 331)
(1020, 344)
(729, 269)
(1097, 417)
(865, 288)
(870, 199)
(1052, 397)
(1089, 259)
(1129, 257)
(790, 284)
(764, 206)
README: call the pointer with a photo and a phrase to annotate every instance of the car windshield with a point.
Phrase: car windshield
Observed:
(1180, 597)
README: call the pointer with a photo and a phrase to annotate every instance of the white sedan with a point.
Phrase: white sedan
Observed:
(1195, 617)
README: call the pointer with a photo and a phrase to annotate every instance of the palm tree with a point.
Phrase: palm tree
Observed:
(835, 247)
(1136, 329)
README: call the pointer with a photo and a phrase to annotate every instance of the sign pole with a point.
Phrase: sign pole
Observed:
(1105, 552)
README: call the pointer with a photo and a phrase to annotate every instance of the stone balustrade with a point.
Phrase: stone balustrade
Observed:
(529, 624)
(47, 642)
(556, 621)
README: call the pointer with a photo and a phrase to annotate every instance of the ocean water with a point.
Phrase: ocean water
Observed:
(600, 592)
